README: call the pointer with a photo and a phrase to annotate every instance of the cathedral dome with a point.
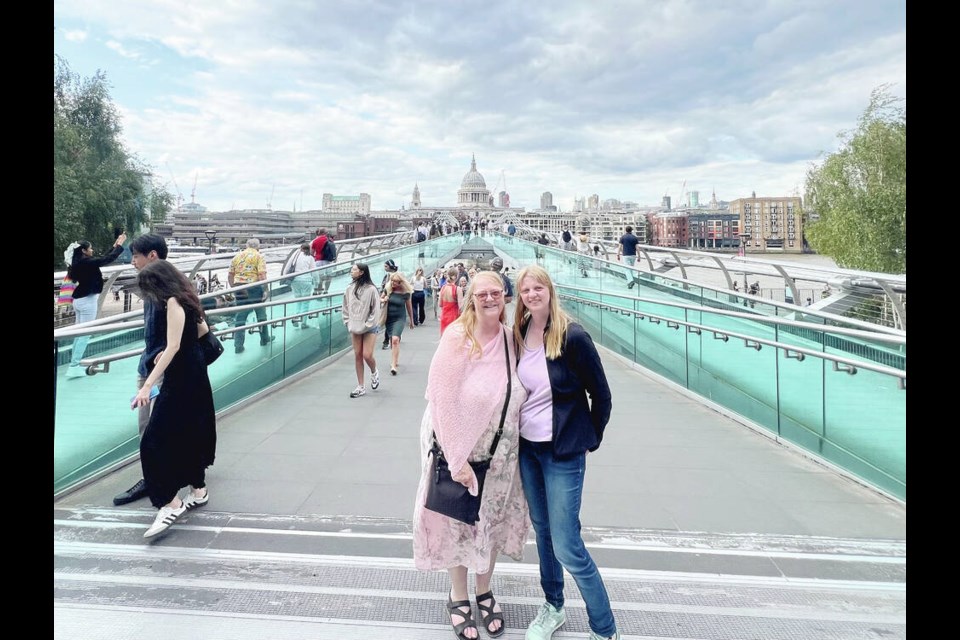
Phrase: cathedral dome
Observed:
(473, 179)
(473, 190)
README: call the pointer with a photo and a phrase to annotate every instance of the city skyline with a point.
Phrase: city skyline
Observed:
(244, 106)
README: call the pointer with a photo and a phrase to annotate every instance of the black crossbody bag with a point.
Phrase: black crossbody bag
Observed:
(445, 495)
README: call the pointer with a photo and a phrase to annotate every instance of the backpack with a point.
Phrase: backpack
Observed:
(508, 288)
(420, 236)
(329, 252)
(567, 237)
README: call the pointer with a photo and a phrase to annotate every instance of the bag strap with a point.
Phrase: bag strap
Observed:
(503, 414)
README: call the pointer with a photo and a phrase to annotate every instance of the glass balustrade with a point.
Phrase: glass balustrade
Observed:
(95, 429)
(855, 421)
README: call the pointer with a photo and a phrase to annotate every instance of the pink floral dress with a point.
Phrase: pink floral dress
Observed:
(440, 542)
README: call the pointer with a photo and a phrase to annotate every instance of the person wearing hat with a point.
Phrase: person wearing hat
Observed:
(497, 265)
(389, 268)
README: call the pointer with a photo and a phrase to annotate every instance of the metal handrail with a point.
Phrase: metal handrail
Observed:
(900, 340)
(93, 364)
(753, 342)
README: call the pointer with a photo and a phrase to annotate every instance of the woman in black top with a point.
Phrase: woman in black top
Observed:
(180, 440)
(84, 270)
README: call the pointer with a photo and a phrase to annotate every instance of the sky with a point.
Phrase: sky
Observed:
(245, 104)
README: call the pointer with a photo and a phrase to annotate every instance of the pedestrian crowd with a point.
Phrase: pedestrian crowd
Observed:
(512, 409)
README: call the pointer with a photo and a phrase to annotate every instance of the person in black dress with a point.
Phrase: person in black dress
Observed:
(180, 440)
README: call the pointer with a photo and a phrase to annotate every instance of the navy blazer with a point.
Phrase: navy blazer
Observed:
(577, 424)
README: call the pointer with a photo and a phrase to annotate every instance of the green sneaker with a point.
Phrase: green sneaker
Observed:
(547, 621)
(615, 636)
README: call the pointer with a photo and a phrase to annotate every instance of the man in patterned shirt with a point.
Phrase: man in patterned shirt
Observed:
(249, 266)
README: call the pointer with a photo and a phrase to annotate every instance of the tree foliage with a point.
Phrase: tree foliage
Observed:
(97, 185)
(860, 192)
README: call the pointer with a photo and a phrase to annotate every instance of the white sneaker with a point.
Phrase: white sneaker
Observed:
(547, 621)
(615, 636)
(165, 517)
(375, 379)
(191, 501)
(359, 391)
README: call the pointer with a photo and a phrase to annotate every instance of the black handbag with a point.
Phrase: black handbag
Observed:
(211, 346)
(445, 495)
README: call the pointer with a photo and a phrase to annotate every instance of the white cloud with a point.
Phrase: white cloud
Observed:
(625, 100)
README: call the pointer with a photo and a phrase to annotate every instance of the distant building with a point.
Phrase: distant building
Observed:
(668, 228)
(415, 202)
(770, 224)
(713, 230)
(346, 204)
(546, 201)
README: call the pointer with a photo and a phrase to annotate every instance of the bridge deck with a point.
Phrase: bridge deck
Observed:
(703, 527)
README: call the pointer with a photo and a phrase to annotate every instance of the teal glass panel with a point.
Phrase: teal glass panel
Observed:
(865, 427)
(94, 427)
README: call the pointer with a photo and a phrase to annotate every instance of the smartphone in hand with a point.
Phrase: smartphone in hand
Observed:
(154, 392)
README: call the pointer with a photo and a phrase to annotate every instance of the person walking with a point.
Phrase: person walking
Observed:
(181, 437)
(627, 249)
(542, 241)
(144, 250)
(419, 298)
(304, 281)
(246, 267)
(472, 389)
(398, 311)
(560, 368)
(449, 299)
(84, 270)
(389, 267)
(361, 316)
(584, 260)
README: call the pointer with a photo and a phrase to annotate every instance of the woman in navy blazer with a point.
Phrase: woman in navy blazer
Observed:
(567, 408)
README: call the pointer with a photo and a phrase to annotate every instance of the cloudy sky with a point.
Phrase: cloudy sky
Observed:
(277, 102)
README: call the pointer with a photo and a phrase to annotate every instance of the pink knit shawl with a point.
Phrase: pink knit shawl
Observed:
(465, 392)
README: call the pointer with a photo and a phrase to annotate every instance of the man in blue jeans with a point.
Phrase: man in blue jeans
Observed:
(628, 249)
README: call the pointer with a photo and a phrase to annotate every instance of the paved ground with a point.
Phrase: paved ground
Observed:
(702, 527)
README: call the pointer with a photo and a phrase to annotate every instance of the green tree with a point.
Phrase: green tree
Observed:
(97, 185)
(860, 192)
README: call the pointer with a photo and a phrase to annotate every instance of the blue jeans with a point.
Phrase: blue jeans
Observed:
(553, 489)
(85, 310)
(253, 295)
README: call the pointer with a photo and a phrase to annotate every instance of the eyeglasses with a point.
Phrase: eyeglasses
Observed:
(493, 295)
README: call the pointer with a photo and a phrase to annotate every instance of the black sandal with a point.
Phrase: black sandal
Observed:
(488, 615)
(453, 608)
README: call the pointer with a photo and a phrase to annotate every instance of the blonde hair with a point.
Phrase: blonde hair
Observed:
(405, 286)
(468, 317)
(558, 320)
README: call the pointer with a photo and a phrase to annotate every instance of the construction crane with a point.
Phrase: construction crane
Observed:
(193, 194)
(176, 186)
(270, 201)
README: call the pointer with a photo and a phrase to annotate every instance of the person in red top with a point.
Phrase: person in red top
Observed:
(449, 302)
(317, 247)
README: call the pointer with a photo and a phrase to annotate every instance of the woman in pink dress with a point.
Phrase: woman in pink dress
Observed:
(466, 393)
